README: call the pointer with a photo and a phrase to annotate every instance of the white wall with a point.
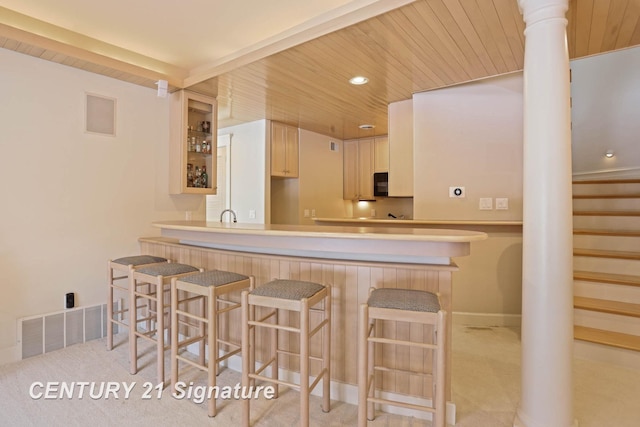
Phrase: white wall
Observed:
(469, 135)
(72, 200)
(248, 169)
(605, 112)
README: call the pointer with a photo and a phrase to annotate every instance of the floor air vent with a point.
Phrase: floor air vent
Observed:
(49, 332)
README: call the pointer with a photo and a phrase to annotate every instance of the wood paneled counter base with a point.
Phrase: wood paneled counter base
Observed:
(350, 259)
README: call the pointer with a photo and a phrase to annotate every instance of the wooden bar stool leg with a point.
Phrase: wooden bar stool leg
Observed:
(212, 333)
(150, 307)
(133, 325)
(371, 374)
(363, 347)
(326, 356)
(247, 348)
(439, 396)
(160, 329)
(174, 332)
(110, 309)
(202, 331)
(252, 343)
(216, 330)
(304, 363)
(274, 350)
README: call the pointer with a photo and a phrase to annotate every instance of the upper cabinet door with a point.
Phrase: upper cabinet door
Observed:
(366, 153)
(350, 170)
(401, 149)
(284, 150)
(193, 144)
(381, 154)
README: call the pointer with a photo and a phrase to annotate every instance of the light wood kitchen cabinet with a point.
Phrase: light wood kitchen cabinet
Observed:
(193, 143)
(358, 165)
(381, 155)
(284, 150)
(401, 149)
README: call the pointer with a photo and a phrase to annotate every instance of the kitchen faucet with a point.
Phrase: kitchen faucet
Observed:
(235, 219)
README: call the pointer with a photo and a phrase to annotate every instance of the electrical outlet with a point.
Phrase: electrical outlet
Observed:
(69, 300)
(456, 192)
(373, 213)
(313, 213)
(306, 213)
(502, 203)
(252, 213)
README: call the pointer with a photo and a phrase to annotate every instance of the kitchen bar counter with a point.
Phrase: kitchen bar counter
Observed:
(390, 244)
(349, 259)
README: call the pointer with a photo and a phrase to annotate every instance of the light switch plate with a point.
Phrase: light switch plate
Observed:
(502, 203)
(486, 203)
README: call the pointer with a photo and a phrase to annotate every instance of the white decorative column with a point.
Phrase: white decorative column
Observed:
(547, 294)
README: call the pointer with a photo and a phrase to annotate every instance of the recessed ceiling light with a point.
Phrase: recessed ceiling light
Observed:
(358, 80)
(609, 154)
(366, 126)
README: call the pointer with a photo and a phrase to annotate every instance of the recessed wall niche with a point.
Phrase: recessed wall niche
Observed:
(100, 115)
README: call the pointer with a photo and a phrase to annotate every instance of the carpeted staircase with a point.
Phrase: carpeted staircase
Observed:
(607, 263)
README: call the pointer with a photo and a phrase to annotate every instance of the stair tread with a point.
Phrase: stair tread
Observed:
(607, 306)
(607, 254)
(620, 279)
(609, 181)
(607, 196)
(606, 213)
(609, 232)
(614, 339)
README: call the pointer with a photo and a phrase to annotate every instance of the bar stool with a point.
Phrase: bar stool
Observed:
(401, 305)
(150, 283)
(294, 296)
(209, 286)
(121, 266)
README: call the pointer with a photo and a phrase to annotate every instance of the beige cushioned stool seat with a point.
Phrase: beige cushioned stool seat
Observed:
(139, 260)
(288, 289)
(168, 269)
(404, 299)
(214, 278)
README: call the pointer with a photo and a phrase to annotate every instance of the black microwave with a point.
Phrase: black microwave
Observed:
(381, 184)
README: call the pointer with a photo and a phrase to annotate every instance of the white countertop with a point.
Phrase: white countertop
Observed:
(350, 232)
(385, 244)
(418, 222)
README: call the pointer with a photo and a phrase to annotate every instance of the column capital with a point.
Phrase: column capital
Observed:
(534, 11)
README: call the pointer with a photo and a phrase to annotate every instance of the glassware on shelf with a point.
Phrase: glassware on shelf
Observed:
(189, 175)
(204, 177)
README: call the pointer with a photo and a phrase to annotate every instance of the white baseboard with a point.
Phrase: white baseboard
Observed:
(486, 319)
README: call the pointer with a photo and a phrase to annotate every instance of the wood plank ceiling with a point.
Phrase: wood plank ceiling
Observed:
(423, 46)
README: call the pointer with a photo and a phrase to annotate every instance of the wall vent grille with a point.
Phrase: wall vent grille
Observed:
(54, 331)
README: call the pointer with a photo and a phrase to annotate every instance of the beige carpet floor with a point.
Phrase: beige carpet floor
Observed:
(486, 390)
